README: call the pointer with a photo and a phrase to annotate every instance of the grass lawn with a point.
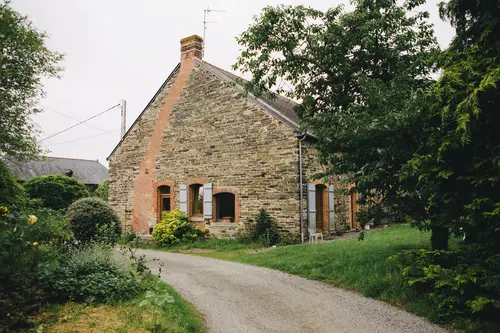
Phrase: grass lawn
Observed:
(178, 317)
(351, 264)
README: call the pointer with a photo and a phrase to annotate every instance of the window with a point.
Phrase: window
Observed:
(196, 199)
(164, 203)
(224, 207)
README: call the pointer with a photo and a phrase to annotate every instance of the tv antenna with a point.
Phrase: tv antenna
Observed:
(205, 22)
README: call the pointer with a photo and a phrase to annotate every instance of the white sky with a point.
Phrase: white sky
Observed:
(125, 49)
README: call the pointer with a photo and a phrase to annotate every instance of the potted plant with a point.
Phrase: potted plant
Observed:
(227, 219)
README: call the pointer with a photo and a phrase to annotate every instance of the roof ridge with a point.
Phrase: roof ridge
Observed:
(69, 158)
(241, 78)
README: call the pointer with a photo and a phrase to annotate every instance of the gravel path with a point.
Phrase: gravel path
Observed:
(242, 298)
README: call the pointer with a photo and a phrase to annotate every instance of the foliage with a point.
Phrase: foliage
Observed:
(460, 161)
(102, 191)
(10, 191)
(124, 316)
(128, 237)
(362, 77)
(89, 275)
(264, 229)
(461, 287)
(174, 228)
(55, 191)
(93, 219)
(25, 243)
(24, 63)
(138, 263)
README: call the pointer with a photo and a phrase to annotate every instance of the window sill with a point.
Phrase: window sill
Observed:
(196, 219)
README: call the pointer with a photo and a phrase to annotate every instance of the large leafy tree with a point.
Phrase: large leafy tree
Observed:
(461, 161)
(363, 79)
(24, 61)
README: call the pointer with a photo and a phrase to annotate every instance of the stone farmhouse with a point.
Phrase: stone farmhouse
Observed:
(220, 155)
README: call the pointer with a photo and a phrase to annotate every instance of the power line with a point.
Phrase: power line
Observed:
(88, 137)
(84, 121)
(68, 116)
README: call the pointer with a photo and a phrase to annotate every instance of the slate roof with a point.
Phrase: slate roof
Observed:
(279, 107)
(89, 172)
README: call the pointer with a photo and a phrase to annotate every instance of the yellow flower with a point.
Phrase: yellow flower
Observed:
(35, 243)
(3, 211)
(15, 229)
(32, 219)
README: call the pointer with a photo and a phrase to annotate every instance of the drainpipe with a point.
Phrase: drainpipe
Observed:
(301, 198)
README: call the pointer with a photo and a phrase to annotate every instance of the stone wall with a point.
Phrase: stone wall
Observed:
(200, 129)
(125, 162)
(311, 168)
(214, 135)
(217, 136)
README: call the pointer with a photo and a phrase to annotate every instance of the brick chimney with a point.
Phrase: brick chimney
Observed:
(191, 48)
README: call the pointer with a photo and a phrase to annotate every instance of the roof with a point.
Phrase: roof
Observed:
(89, 172)
(279, 107)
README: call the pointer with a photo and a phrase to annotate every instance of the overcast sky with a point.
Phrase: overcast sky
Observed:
(125, 49)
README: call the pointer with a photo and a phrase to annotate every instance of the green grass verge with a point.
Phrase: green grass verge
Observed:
(225, 249)
(127, 316)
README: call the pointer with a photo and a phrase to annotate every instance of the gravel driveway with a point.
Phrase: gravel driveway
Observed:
(241, 298)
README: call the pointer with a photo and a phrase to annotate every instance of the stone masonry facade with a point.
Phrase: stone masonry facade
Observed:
(200, 129)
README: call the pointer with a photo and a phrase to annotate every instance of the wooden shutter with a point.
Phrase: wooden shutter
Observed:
(207, 201)
(331, 208)
(183, 198)
(311, 208)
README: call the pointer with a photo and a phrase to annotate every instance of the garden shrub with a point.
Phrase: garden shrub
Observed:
(102, 191)
(463, 287)
(264, 229)
(89, 275)
(128, 237)
(25, 243)
(93, 219)
(55, 191)
(174, 228)
(290, 238)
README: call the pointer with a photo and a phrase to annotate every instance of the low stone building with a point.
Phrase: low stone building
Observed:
(219, 155)
(90, 172)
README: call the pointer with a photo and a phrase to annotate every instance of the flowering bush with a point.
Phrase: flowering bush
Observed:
(25, 242)
(174, 228)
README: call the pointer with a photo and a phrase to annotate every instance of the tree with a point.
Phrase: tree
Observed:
(56, 191)
(461, 161)
(11, 193)
(363, 78)
(102, 191)
(24, 61)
